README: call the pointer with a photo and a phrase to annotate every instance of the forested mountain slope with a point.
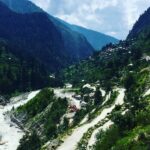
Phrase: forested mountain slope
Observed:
(35, 35)
(73, 36)
(19, 73)
(74, 44)
(96, 39)
(125, 65)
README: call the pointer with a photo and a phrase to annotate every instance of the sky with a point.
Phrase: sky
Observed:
(112, 17)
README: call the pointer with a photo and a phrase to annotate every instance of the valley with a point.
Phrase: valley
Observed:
(67, 87)
(10, 129)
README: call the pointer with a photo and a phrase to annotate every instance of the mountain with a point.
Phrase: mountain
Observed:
(104, 105)
(35, 34)
(74, 34)
(75, 44)
(72, 46)
(107, 107)
(96, 39)
(19, 73)
(143, 22)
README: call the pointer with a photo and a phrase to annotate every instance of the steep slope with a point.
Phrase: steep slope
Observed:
(35, 35)
(74, 34)
(143, 22)
(101, 66)
(96, 39)
(27, 51)
(107, 63)
(119, 117)
(75, 44)
(19, 73)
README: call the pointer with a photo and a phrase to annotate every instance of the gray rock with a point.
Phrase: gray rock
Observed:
(52, 145)
(3, 101)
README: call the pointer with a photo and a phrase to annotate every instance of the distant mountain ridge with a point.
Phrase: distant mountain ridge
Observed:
(96, 39)
(73, 33)
(18, 6)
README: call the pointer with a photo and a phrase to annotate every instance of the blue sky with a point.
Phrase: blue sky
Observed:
(113, 17)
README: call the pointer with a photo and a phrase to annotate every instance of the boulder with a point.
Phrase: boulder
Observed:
(3, 101)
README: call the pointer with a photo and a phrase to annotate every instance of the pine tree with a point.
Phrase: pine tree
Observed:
(97, 97)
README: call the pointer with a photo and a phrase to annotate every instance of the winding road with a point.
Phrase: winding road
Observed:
(70, 143)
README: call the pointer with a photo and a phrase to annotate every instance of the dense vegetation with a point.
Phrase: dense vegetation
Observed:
(34, 35)
(103, 66)
(42, 115)
(125, 65)
(31, 142)
(130, 131)
(19, 74)
(37, 104)
(96, 39)
(46, 38)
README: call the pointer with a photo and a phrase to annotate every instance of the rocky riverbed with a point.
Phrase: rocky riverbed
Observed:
(10, 133)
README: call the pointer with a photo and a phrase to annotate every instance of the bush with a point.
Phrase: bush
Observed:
(38, 103)
(129, 81)
(98, 97)
(30, 142)
(107, 139)
(54, 115)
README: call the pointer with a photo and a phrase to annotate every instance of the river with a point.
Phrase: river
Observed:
(10, 133)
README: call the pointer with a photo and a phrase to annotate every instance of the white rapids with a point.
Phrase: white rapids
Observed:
(10, 134)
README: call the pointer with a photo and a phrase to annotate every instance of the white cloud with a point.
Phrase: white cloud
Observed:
(114, 17)
(44, 4)
(132, 10)
(112, 33)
